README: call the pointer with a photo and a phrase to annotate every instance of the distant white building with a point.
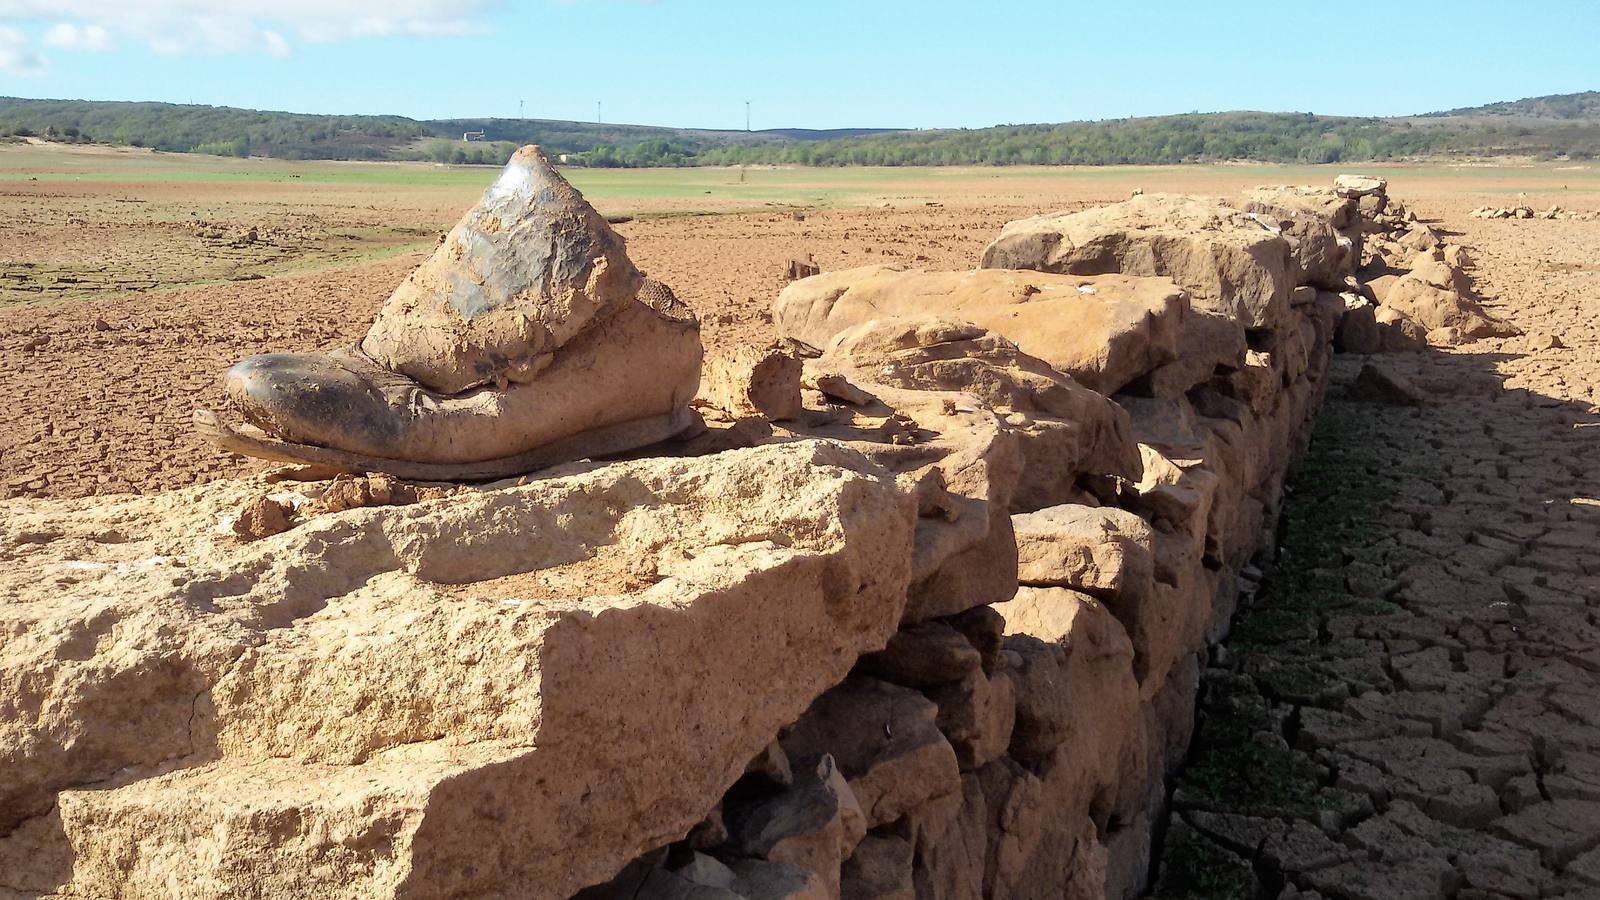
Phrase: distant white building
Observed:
(469, 136)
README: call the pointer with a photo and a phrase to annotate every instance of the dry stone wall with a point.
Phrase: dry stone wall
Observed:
(921, 614)
(1013, 738)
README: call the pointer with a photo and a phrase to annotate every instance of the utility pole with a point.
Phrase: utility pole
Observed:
(747, 115)
(597, 119)
(519, 108)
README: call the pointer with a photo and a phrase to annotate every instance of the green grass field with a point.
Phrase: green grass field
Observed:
(731, 189)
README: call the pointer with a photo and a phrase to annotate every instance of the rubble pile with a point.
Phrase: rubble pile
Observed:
(1414, 284)
(1523, 211)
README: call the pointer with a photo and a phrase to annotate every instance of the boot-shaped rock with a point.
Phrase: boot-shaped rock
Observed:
(528, 338)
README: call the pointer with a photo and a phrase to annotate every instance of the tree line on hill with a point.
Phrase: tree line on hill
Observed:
(211, 129)
(1584, 105)
(1208, 137)
(1549, 127)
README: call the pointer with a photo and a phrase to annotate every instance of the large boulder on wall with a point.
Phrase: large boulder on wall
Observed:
(1229, 261)
(524, 272)
(1358, 186)
(1103, 330)
(1323, 230)
(526, 339)
(958, 380)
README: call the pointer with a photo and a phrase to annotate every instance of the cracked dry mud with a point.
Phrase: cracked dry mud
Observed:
(1409, 705)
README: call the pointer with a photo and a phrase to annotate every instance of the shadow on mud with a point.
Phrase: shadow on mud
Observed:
(1406, 532)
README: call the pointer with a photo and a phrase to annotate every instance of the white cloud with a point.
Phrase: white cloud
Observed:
(16, 57)
(275, 44)
(78, 37)
(226, 26)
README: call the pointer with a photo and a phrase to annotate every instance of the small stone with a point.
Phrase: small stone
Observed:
(880, 869)
(814, 825)
(1400, 332)
(1087, 549)
(708, 832)
(949, 833)
(887, 743)
(753, 383)
(759, 879)
(923, 655)
(1457, 256)
(1384, 385)
(837, 387)
(1448, 336)
(377, 489)
(1044, 711)
(977, 715)
(1358, 331)
(660, 884)
(773, 764)
(799, 268)
(702, 869)
(985, 629)
(263, 517)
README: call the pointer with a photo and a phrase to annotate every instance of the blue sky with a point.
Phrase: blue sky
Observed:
(821, 64)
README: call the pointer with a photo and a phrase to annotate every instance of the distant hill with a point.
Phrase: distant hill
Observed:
(1557, 126)
(1195, 137)
(228, 131)
(1554, 106)
(211, 129)
(615, 145)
